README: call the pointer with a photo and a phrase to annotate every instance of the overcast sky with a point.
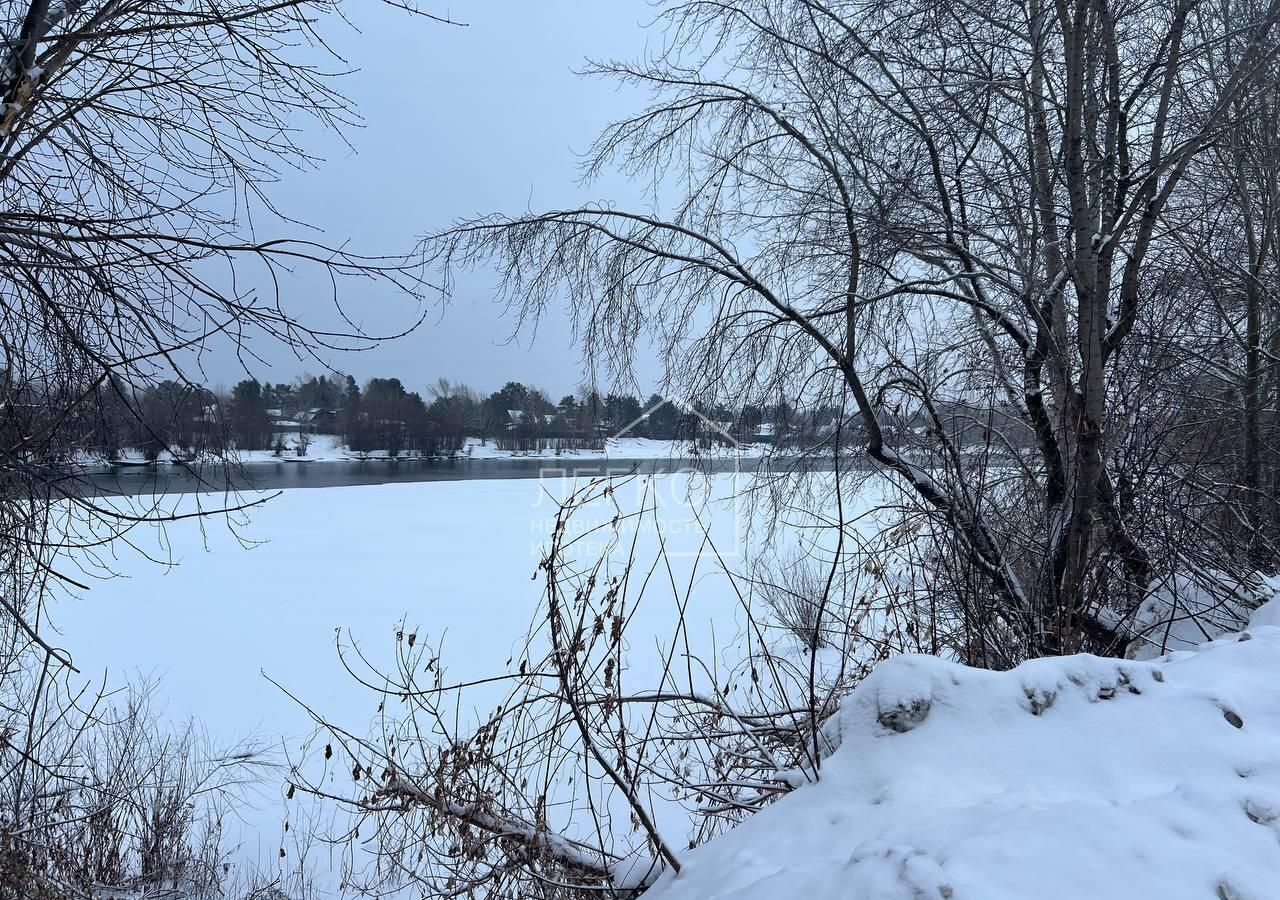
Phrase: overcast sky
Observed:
(459, 122)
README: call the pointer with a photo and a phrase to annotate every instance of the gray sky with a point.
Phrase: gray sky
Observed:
(460, 122)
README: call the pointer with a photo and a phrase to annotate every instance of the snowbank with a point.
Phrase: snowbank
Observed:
(1064, 778)
(332, 448)
(320, 448)
(329, 448)
(1188, 608)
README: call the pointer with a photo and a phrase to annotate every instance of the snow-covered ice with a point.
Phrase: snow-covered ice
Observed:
(452, 561)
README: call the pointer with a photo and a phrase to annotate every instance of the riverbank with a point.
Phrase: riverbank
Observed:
(329, 448)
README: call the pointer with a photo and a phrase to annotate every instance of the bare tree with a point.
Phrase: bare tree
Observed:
(138, 143)
(971, 233)
(1236, 251)
(901, 208)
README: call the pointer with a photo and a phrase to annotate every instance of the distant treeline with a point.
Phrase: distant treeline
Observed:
(383, 415)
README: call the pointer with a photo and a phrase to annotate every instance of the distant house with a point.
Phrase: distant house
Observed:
(287, 426)
(207, 417)
(824, 432)
(765, 433)
(318, 420)
(519, 418)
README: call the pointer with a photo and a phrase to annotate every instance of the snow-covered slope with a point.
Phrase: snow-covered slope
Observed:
(1065, 778)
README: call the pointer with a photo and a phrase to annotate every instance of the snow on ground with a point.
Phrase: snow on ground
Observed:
(1064, 778)
(320, 448)
(1184, 611)
(330, 448)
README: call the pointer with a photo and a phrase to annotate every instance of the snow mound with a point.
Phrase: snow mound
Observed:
(1063, 778)
(1189, 608)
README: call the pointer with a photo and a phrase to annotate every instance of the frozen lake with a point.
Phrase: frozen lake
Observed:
(222, 617)
(212, 612)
